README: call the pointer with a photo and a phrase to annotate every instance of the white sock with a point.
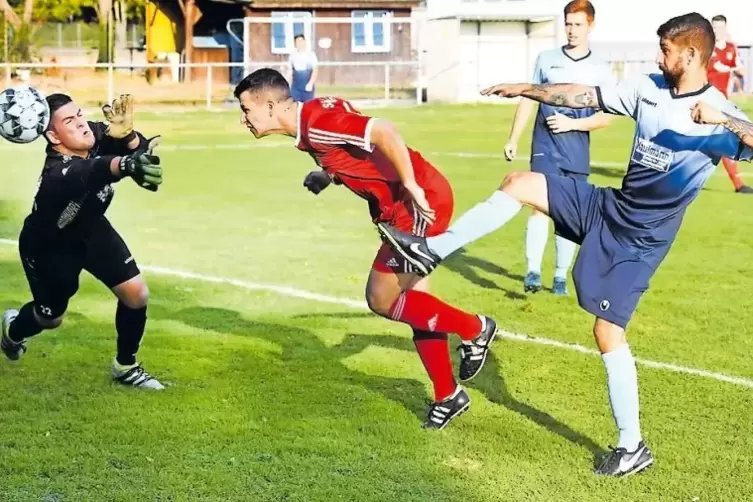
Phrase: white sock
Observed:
(565, 253)
(483, 218)
(537, 233)
(622, 381)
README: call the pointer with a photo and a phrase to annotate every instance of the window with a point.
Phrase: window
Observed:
(285, 27)
(370, 31)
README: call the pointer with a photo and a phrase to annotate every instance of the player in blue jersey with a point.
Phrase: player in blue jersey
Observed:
(684, 126)
(561, 136)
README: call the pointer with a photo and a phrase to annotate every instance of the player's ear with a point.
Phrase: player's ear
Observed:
(51, 137)
(691, 53)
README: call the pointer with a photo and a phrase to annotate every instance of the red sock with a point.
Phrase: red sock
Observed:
(731, 167)
(434, 351)
(423, 312)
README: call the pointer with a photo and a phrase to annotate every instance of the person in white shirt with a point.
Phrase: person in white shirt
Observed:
(302, 71)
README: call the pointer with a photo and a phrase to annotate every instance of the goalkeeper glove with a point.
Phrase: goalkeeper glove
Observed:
(316, 181)
(119, 117)
(143, 167)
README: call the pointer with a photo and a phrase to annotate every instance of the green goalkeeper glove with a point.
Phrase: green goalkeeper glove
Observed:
(119, 117)
(143, 167)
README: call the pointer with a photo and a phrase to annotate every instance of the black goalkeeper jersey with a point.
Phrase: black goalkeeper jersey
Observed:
(74, 192)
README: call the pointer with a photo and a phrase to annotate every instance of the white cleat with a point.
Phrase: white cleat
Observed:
(134, 376)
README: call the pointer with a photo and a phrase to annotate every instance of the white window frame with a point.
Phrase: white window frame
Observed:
(288, 19)
(368, 22)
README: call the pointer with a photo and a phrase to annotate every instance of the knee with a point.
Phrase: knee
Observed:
(517, 182)
(379, 302)
(608, 336)
(135, 297)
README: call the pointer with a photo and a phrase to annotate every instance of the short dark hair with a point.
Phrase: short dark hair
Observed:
(719, 17)
(57, 101)
(690, 30)
(300, 35)
(262, 79)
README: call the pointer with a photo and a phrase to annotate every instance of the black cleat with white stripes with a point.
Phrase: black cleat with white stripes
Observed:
(441, 413)
(473, 354)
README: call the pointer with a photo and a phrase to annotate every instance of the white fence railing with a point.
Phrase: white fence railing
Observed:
(386, 81)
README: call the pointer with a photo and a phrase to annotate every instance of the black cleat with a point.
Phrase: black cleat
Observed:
(744, 189)
(411, 247)
(620, 462)
(440, 414)
(532, 282)
(13, 350)
(473, 354)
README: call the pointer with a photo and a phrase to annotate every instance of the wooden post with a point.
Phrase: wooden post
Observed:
(188, 19)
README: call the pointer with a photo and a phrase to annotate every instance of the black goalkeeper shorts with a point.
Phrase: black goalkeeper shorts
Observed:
(53, 265)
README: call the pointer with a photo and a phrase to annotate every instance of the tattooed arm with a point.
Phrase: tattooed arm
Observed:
(567, 95)
(742, 128)
(704, 113)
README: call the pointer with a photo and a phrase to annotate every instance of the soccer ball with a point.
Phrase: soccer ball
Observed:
(24, 114)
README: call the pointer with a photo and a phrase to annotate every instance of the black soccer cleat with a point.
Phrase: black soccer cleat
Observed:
(411, 247)
(532, 282)
(744, 189)
(441, 413)
(620, 462)
(13, 350)
(473, 354)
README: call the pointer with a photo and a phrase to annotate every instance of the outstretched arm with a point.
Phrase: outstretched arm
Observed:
(567, 95)
(742, 128)
(703, 113)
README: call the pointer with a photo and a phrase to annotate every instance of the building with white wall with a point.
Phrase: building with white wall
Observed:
(471, 44)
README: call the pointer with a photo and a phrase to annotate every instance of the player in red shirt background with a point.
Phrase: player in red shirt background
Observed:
(723, 63)
(369, 157)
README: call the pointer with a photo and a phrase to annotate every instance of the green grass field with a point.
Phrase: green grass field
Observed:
(278, 397)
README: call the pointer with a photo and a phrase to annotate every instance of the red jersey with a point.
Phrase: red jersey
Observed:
(337, 136)
(726, 56)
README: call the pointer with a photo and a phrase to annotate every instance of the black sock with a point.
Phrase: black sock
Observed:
(130, 324)
(25, 325)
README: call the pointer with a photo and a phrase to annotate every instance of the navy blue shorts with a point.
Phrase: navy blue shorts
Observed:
(301, 95)
(548, 167)
(609, 277)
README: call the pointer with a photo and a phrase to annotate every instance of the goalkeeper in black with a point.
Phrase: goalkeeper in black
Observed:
(67, 230)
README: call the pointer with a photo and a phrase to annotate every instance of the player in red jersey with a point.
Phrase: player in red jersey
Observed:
(369, 157)
(723, 63)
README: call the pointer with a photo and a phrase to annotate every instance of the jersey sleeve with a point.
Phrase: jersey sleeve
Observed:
(538, 77)
(79, 176)
(619, 98)
(342, 127)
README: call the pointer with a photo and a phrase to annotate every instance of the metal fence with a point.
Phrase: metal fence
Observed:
(210, 87)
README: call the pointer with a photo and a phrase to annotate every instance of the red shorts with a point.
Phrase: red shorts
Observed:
(406, 218)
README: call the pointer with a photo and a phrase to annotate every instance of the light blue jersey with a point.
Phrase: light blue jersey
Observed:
(567, 151)
(671, 158)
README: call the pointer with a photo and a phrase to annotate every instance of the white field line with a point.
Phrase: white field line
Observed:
(357, 304)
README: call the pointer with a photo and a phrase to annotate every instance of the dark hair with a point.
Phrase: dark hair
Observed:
(719, 17)
(690, 30)
(57, 101)
(263, 79)
(300, 35)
